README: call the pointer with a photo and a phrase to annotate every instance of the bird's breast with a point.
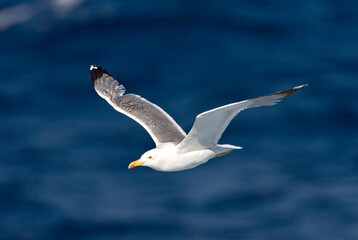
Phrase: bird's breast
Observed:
(192, 159)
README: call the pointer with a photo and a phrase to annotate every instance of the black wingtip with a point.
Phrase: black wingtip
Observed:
(290, 91)
(97, 72)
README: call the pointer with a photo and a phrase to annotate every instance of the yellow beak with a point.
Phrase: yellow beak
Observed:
(135, 164)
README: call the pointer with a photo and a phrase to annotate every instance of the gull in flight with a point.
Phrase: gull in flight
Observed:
(175, 150)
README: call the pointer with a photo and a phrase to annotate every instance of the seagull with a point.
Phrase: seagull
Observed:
(175, 150)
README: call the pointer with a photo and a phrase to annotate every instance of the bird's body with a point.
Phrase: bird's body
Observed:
(176, 160)
(175, 150)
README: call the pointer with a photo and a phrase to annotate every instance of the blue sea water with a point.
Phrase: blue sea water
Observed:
(64, 151)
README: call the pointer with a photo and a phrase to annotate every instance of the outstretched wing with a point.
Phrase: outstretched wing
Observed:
(210, 125)
(160, 126)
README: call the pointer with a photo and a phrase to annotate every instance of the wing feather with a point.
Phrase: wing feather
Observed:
(159, 124)
(210, 125)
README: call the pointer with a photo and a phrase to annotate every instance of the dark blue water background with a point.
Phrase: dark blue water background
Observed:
(64, 151)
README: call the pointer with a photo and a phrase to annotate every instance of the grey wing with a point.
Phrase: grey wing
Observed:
(160, 125)
(210, 125)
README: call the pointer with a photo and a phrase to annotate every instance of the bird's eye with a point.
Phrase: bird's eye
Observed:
(150, 157)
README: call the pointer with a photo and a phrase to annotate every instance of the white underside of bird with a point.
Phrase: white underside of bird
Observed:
(175, 150)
